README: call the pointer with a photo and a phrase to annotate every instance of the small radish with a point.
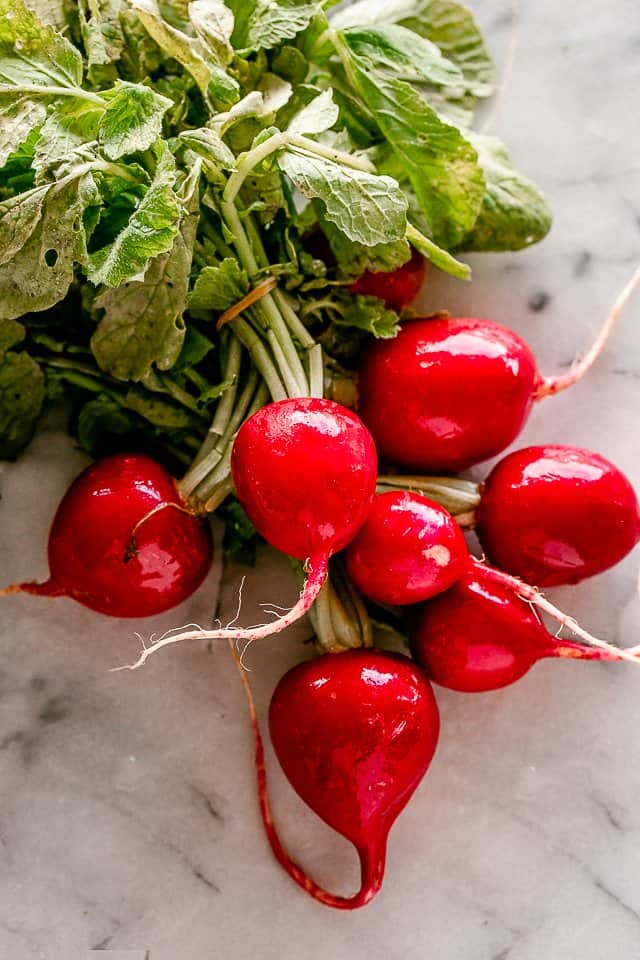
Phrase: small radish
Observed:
(399, 287)
(479, 636)
(409, 549)
(449, 392)
(116, 548)
(305, 472)
(403, 552)
(354, 733)
(557, 514)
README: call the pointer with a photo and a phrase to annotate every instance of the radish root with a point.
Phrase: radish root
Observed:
(372, 867)
(317, 573)
(533, 596)
(552, 385)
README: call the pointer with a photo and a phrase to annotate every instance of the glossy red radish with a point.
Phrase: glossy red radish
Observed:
(304, 470)
(408, 550)
(479, 636)
(123, 541)
(398, 288)
(403, 553)
(557, 514)
(354, 733)
(449, 392)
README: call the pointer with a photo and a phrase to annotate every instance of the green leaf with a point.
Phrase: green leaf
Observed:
(369, 314)
(440, 163)
(194, 349)
(403, 55)
(240, 536)
(354, 258)
(367, 208)
(11, 333)
(317, 116)
(514, 212)
(447, 23)
(33, 52)
(69, 125)
(218, 288)
(132, 120)
(21, 398)
(18, 117)
(41, 238)
(102, 33)
(143, 322)
(263, 24)
(158, 410)
(150, 231)
(212, 21)
(99, 417)
(210, 147)
(188, 51)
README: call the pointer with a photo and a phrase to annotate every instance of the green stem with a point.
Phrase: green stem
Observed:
(267, 305)
(291, 318)
(438, 257)
(295, 387)
(316, 372)
(251, 341)
(306, 145)
(231, 372)
(456, 495)
(52, 91)
(248, 162)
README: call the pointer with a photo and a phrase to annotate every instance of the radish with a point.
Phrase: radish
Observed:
(402, 543)
(409, 549)
(478, 636)
(116, 548)
(449, 392)
(399, 287)
(354, 733)
(555, 514)
(305, 472)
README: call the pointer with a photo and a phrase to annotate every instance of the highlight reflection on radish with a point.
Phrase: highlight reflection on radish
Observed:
(480, 636)
(123, 542)
(449, 392)
(354, 733)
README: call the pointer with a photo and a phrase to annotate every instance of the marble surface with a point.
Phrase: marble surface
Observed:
(128, 822)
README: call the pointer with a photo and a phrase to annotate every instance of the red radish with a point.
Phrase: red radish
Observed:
(116, 548)
(556, 514)
(479, 636)
(403, 553)
(409, 549)
(449, 392)
(399, 287)
(354, 733)
(305, 472)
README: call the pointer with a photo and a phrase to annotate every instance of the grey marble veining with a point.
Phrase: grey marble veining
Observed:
(128, 820)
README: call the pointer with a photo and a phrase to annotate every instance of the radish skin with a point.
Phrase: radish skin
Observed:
(355, 733)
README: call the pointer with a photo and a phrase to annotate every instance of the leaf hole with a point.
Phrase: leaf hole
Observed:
(51, 257)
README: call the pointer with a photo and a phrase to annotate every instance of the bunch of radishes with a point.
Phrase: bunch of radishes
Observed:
(356, 730)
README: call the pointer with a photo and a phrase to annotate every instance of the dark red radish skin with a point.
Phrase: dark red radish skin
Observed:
(354, 733)
(123, 541)
(305, 472)
(449, 392)
(479, 636)
(408, 550)
(398, 546)
(557, 515)
(446, 392)
(398, 288)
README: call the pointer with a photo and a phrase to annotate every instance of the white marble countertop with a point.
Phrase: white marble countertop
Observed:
(128, 820)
